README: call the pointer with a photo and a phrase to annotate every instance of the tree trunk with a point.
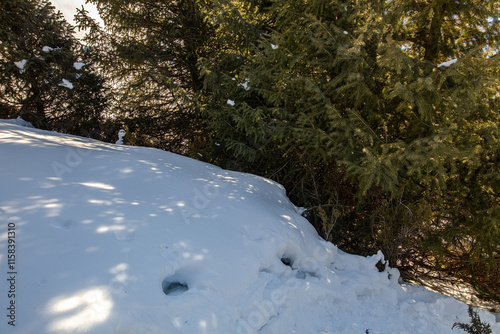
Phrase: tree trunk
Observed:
(433, 37)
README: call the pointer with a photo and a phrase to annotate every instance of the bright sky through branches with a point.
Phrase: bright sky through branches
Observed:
(68, 8)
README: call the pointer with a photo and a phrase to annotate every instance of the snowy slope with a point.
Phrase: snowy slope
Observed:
(117, 239)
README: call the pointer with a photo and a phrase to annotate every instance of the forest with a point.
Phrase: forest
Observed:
(380, 118)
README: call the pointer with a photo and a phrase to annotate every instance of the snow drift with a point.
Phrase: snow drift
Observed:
(116, 239)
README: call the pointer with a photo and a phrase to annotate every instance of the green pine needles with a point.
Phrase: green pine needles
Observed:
(57, 87)
(354, 107)
(475, 326)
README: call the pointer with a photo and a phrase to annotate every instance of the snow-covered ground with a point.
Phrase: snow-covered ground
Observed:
(103, 238)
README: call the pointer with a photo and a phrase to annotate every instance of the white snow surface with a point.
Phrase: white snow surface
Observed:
(120, 239)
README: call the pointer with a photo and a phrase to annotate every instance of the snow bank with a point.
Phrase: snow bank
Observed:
(119, 239)
(17, 121)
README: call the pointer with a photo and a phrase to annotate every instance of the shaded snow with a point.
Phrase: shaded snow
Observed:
(17, 121)
(66, 83)
(121, 239)
(20, 65)
(448, 63)
(121, 134)
(78, 65)
(245, 84)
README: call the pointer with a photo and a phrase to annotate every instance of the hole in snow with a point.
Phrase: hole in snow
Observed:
(380, 266)
(173, 288)
(287, 261)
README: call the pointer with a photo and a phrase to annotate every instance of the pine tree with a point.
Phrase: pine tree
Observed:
(475, 326)
(150, 52)
(382, 118)
(45, 77)
(155, 54)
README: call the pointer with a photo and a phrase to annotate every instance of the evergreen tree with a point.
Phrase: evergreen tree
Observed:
(154, 54)
(45, 75)
(382, 119)
(150, 53)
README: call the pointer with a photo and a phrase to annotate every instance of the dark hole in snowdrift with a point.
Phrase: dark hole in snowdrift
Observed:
(380, 266)
(173, 288)
(286, 261)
